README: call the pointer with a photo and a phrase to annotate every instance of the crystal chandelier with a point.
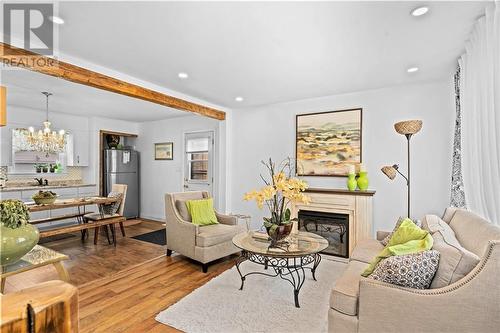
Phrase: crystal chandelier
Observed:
(47, 140)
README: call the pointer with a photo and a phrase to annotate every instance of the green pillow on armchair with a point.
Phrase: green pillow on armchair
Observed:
(202, 211)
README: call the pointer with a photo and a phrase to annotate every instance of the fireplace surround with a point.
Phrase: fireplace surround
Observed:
(352, 214)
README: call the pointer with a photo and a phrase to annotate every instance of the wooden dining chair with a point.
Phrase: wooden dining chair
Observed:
(119, 188)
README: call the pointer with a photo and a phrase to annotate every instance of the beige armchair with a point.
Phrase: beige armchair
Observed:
(201, 243)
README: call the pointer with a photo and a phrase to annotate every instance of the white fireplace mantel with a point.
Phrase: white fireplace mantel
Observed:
(357, 204)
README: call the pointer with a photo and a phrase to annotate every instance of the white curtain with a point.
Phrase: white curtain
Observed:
(480, 105)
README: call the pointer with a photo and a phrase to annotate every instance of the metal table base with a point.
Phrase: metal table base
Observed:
(291, 269)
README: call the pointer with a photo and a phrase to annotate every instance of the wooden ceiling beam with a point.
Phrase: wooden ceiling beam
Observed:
(21, 58)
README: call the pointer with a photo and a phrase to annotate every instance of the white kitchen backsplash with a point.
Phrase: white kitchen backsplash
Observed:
(73, 175)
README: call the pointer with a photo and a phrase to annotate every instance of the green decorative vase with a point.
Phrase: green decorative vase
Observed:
(363, 181)
(17, 242)
(351, 182)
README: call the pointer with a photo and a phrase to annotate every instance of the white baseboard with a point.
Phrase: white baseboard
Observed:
(153, 218)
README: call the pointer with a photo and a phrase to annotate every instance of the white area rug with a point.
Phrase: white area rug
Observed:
(265, 304)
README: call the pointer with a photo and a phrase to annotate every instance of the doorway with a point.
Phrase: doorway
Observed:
(199, 151)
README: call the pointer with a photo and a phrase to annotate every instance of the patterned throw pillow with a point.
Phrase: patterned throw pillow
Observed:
(414, 270)
(112, 208)
(385, 241)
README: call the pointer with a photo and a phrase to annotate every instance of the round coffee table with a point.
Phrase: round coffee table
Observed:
(299, 252)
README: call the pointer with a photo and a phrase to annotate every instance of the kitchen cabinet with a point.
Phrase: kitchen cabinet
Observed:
(87, 191)
(10, 195)
(5, 146)
(78, 148)
(64, 193)
(35, 157)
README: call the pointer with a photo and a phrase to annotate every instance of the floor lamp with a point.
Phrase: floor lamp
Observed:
(406, 128)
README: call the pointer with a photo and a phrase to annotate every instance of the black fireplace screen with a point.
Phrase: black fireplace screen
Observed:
(332, 226)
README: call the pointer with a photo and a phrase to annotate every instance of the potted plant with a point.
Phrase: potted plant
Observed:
(45, 168)
(18, 237)
(52, 168)
(38, 168)
(279, 192)
(113, 140)
(59, 168)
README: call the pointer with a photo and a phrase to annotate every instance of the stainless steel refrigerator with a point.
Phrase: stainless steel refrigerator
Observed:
(121, 166)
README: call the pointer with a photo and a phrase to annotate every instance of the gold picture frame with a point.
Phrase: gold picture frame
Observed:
(164, 151)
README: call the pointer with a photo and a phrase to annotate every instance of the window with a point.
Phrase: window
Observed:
(197, 150)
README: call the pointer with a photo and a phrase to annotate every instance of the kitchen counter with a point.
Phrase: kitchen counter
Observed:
(42, 188)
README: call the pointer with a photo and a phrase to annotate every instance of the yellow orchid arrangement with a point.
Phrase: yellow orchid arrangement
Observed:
(280, 190)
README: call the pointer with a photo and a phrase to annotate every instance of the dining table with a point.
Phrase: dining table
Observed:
(81, 210)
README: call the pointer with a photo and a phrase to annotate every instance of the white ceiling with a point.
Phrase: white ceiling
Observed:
(266, 52)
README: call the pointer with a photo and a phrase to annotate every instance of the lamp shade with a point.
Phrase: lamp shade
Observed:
(389, 171)
(408, 127)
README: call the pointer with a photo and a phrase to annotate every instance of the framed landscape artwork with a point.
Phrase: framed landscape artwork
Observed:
(328, 142)
(164, 151)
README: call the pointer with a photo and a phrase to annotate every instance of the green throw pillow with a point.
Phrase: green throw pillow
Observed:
(407, 239)
(202, 211)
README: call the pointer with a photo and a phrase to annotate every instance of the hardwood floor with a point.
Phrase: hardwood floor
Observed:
(122, 289)
(130, 300)
(89, 262)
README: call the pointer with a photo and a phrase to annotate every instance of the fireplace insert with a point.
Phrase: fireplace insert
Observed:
(332, 226)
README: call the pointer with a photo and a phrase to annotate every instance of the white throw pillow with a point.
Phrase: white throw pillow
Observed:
(456, 261)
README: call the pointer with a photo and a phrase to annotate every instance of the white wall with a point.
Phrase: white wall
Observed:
(160, 177)
(269, 131)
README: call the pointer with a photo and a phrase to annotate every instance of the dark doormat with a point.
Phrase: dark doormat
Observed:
(54, 238)
(158, 237)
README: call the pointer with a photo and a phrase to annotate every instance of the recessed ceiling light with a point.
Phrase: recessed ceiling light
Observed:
(239, 99)
(56, 19)
(183, 75)
(412, 69)
(419, 11)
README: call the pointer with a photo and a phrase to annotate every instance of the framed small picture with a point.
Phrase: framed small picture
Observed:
(164, 151)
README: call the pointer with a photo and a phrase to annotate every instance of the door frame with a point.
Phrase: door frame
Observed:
(215, 161)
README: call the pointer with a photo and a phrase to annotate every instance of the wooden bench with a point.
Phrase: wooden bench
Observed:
(111, 221)
(58, 218)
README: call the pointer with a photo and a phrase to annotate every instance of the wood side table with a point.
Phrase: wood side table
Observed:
(39, 256)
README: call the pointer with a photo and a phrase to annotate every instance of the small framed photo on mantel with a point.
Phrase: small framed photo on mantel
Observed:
(164, 151)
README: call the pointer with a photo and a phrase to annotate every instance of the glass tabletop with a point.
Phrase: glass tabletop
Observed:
(38, 256)
(295, 245)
